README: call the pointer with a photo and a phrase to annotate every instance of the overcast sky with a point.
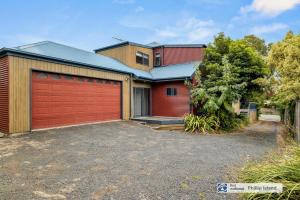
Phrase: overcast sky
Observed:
(91, 24)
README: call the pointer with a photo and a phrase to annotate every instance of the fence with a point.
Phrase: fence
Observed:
(297, 121)
(293, 122)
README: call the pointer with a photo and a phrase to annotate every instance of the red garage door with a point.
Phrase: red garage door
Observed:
(60, 100)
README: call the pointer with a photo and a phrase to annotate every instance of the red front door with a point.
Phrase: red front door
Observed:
(61, 100)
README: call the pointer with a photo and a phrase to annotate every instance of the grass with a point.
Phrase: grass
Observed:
(196, 178)
(184, 185)
(281, 167)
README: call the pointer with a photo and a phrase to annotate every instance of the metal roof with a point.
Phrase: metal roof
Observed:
(174, 71)
(55, 50)
(183, 45)
(62, 53)
(150, 46)
(122, 44)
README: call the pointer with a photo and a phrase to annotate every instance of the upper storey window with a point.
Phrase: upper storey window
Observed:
(142, 58)
(157, 59)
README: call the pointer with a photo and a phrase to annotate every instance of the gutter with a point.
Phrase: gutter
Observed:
(183, 78)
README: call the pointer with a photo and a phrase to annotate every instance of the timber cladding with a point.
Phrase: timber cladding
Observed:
(20, 87)
(4, 95)
(126, 55)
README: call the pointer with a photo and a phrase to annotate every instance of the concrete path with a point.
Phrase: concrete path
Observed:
(125, 160)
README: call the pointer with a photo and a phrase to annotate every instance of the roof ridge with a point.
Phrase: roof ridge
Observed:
(47, 41)
(70, 47)
(31, 45)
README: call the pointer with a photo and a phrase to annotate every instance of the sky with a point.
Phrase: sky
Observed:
(92, 24)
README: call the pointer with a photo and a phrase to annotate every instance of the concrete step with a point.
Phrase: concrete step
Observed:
(170, 127)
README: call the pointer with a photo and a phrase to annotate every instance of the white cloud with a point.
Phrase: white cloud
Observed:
(163, 27)
(188, 30)
(259, 30)
(139, 9)
(166, 34)
(200, 34)
(270, 7)
(124, 1)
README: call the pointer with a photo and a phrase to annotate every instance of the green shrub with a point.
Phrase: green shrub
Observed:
(202, 124)
(212, 123)
(279, 168)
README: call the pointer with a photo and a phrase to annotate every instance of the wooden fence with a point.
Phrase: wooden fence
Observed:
(297, 121)
(295, 125)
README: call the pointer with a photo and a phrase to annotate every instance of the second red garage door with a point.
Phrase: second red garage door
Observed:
(61, 100)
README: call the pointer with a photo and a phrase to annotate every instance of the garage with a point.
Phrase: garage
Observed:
(61, 100)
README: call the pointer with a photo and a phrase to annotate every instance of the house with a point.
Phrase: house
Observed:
(47, 85)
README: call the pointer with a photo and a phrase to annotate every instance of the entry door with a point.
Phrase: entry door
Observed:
(141, 102)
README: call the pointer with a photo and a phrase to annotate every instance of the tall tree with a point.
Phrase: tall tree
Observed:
(284, 56)
(248, 64)
(257, 43)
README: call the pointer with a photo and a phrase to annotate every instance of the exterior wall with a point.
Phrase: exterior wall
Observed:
(136, 84)
(4, 95)
(177, 55)
(172, 106)
(120, 53)
(126, 55)
(20, 87)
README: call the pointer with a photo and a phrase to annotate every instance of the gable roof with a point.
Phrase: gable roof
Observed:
(150, 46)
(122, 44)
(61, 53)
(183, 45)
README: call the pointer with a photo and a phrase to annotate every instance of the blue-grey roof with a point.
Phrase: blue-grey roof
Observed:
(122, 44)
(55, 50)
(60, 52)
(150, 45)
(174, 71)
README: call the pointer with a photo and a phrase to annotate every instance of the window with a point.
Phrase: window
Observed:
(171, 91)
(99, 81)
(42, 75)
(81, 79)
(142, 58)
(68, 77)
(55, 76)
(157, 59)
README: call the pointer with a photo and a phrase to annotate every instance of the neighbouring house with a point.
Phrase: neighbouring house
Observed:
(47, 85)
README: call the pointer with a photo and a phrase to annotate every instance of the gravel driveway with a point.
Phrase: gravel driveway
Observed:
(125, 160)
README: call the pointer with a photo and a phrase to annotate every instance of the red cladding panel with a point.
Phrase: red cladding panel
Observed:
(4, 95)
(172, 106)
(177, 55)
(59, 100)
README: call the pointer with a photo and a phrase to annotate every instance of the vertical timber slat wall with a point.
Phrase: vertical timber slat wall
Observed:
(127, 55)
(20, 87)
(4, 95)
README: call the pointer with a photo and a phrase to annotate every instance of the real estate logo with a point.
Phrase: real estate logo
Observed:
(222, 187)
(249, 187)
